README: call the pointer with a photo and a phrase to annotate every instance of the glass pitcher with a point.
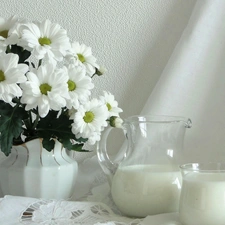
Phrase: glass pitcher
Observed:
(147, 180)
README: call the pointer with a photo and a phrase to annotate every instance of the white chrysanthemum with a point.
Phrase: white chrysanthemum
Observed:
(81, 55)
(6, 35)
(46, 88)
(2, 48)
(11, 74)
(102, 70)
(79, 86)
(46, 39)
(94, 137)
(90, 118)
(111, 104)
(115, 121)
(118, 122)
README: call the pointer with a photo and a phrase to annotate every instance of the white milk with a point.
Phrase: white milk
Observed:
(142, 190)
(203, 199)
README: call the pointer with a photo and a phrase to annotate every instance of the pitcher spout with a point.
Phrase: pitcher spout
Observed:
(188, 123)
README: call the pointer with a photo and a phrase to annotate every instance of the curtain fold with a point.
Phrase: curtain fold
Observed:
(193, 82)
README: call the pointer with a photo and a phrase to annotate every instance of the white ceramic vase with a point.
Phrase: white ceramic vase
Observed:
(32, 171)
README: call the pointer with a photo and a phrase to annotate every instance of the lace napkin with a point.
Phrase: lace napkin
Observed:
(91, 204)
(22, 210)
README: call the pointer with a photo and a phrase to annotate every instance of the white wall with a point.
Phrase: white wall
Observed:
(132, 38)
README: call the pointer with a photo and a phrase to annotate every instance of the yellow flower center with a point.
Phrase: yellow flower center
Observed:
(81, 58)
(2, 76)
(109, 106)
(89, 117)
(44, 88)
(44, 41)
(4, 33)
(71, 85)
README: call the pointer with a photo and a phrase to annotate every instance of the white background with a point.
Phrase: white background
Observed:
(133, 39)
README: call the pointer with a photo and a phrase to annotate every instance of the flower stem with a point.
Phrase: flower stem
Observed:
(39, 62)
(36, 121)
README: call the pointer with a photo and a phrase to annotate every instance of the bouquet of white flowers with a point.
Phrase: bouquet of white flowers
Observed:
(45, 88)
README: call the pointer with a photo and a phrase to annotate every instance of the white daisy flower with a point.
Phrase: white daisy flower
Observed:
(6, 32)
(46, 89)
(94, 137)
(2, 48)
(115, 121)
(112, 105)
(81, 55)
(79, 86)
(90, 118)
(118, 122)
(46, 39)
(15, 34)
(101, 70)
(11, 74)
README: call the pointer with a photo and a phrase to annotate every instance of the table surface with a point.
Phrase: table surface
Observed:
(91, 205)
(24, 210)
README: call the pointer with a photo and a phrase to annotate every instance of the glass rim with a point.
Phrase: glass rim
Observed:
(203, 167)
(151, 118)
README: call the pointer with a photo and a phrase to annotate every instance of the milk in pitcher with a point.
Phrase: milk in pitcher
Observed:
(140, 190)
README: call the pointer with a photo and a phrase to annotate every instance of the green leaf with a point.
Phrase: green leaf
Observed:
(22, 53)
(81, 139)
(59, 128)
(5, 108)
(52, 126)
(66, 143)
(10, 125)
(78, 148)
(48, 144)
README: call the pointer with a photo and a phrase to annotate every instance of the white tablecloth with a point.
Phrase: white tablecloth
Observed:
(22, 210)
(91, 204)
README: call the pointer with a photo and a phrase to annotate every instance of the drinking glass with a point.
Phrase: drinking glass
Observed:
(202, 200)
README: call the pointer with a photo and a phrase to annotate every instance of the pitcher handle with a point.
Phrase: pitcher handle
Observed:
(108, 166)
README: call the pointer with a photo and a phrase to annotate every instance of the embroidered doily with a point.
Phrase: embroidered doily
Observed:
(63, 212)
(91, 204)
(22, 210)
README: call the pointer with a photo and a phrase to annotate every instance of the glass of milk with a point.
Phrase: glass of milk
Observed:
(202, 200)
